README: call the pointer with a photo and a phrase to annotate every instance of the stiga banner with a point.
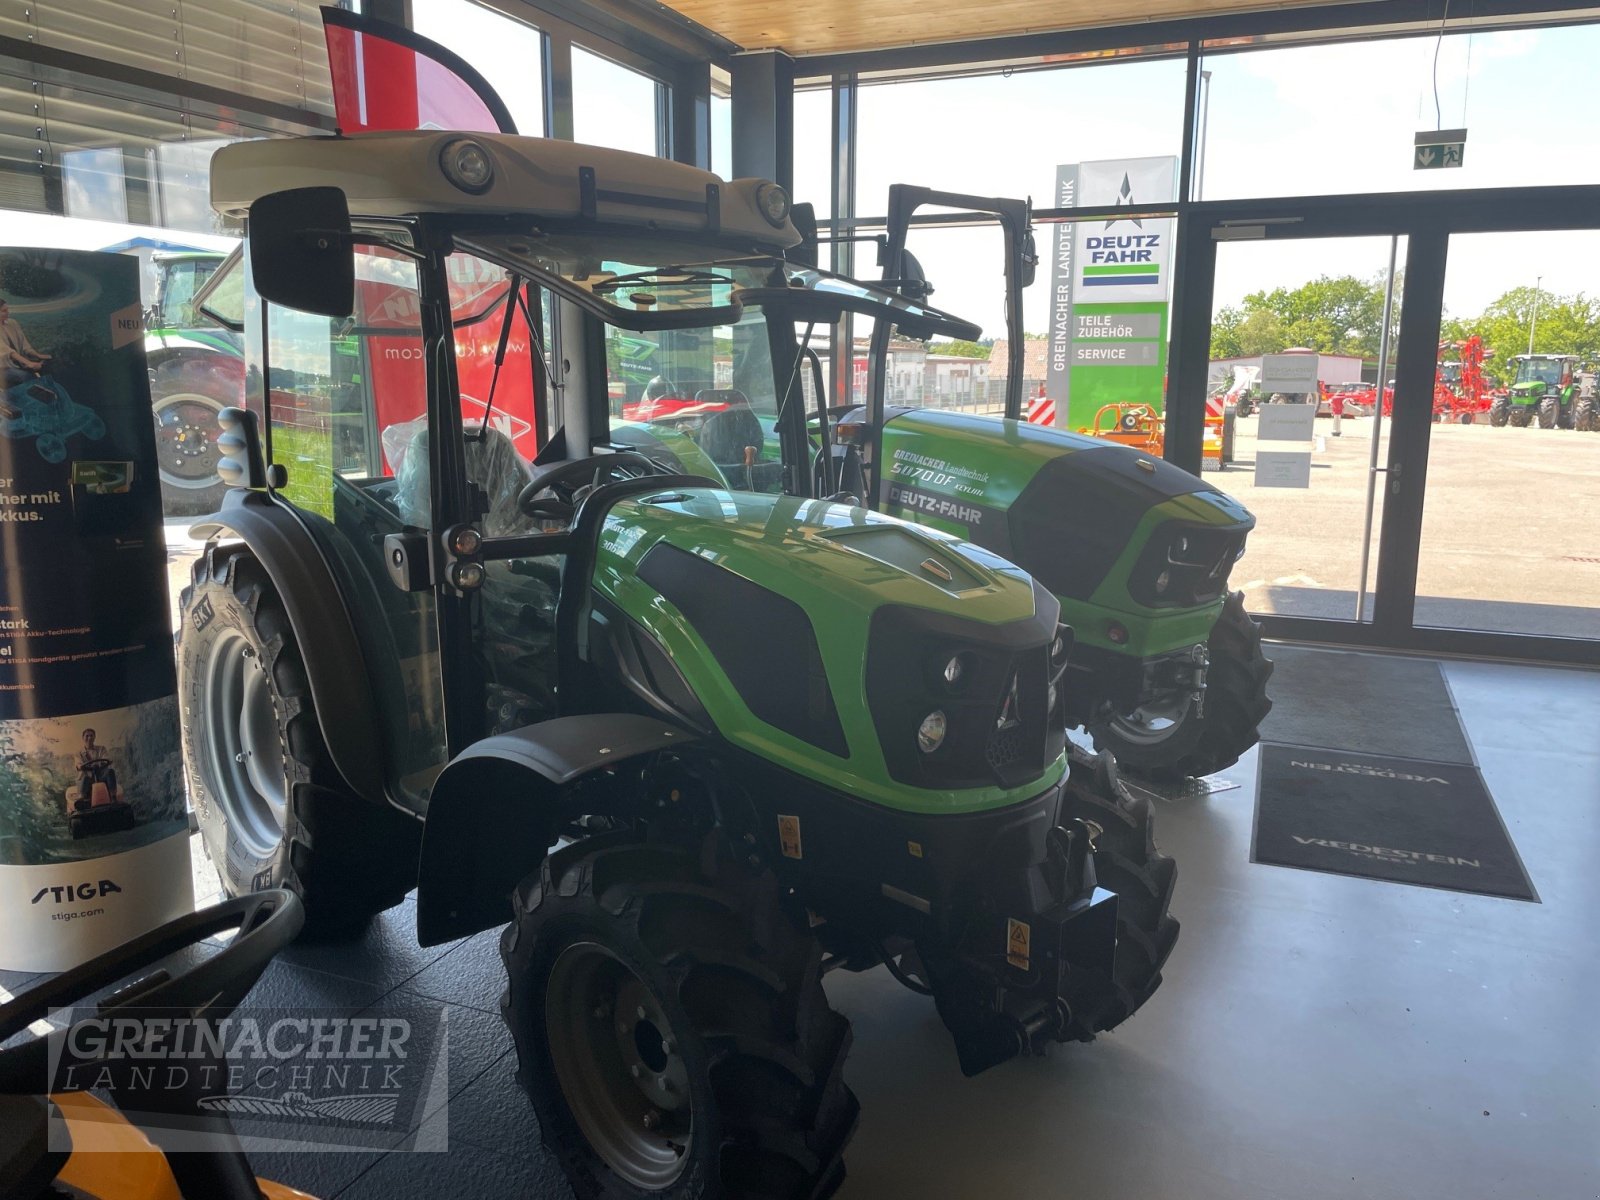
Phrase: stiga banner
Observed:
(93, 828)
(1110, 286)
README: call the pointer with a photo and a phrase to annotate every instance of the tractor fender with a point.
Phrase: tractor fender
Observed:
(496, 808)
(341, 689)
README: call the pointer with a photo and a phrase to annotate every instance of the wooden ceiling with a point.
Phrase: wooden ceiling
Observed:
(833, 26)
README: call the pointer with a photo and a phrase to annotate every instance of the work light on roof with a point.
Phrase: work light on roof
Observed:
(773, 202)
(467, 164)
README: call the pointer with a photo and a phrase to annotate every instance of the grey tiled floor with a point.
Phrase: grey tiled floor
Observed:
(1318, 1036)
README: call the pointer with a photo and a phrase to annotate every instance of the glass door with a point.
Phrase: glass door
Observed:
(1510, 540)
(1300, 386)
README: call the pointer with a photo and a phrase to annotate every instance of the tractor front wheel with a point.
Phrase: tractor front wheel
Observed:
(1549, 413)
(272, 809)
(1499, 411)
(1127, 862)
(671, 1028)
(1183, 739)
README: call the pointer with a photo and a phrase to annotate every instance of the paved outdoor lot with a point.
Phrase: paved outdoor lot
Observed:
(1511, 529)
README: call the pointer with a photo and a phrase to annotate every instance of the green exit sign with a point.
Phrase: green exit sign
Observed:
(1438, 148)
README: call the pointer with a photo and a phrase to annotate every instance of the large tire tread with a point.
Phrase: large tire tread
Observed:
(346, 858)
(1236, 702)
(1127, 862)
(717, 946)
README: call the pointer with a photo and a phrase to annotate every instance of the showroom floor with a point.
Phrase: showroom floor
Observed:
(1317, 1036)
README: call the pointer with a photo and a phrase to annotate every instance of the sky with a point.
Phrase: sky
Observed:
(1284, 121)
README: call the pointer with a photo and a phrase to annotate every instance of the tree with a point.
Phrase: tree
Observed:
(1564, 325)
(961, 349)
(1332, 314)
(1243, 332)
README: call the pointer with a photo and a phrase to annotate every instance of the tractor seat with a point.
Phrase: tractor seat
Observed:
(492, 463)
(724, 438)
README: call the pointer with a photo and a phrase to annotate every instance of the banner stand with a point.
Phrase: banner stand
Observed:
(94, 846)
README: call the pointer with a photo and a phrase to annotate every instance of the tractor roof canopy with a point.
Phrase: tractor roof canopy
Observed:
(421, 171)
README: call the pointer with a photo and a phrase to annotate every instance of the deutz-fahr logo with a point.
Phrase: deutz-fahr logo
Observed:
(69, 893)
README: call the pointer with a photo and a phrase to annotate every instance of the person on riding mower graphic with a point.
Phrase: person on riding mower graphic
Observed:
(19, 360)
(94, 766)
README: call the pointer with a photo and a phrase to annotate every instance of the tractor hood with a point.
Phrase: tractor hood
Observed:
(856, 557)
(1092, 520)
(821, 636)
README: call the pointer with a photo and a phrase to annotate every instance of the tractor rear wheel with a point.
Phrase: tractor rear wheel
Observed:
(1586, 415)
(271, 806)
(1499, 411)
(1549, 413)
(1127, 862)
(671, 1028)
(1181, 741)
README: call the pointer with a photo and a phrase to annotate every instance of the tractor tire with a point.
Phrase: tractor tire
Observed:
(190, 485)
(1586, 415)
(1519, 416)
(1549, 413)
(1229, 722)
(1499, 411)
(671, 1028)
(272, 809)
(1127, 862)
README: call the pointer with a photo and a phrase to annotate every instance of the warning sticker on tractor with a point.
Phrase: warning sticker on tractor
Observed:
(914, 849)
(789, 836)
(1019, 936)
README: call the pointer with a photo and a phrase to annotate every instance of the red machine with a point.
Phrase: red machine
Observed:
(1460, 389)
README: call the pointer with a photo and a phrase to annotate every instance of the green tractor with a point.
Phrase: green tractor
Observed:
(1168, 670)
(1545, 388)
(699, 727)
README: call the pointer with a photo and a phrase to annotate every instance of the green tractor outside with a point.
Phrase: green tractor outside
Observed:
(700, 727)
(1545, 389)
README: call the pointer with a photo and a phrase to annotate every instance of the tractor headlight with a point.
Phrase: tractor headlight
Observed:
(467, 164)
(773, 202)
(930, 734)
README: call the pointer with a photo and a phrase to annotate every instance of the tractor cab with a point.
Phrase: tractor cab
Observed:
(1540, 375)
(495, 326)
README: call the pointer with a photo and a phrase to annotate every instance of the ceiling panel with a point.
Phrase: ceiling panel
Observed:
(833, 26)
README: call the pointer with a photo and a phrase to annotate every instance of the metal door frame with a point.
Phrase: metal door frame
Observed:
(1426, 220)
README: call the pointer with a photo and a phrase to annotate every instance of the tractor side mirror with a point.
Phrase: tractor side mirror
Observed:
(1030, 260)
(300, 250)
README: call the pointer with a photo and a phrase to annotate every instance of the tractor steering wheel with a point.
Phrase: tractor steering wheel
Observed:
(267, 922)
(94, 764)
(570, 481)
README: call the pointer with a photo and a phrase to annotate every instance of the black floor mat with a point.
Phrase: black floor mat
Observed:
(1377, 703)
(1405, 820)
